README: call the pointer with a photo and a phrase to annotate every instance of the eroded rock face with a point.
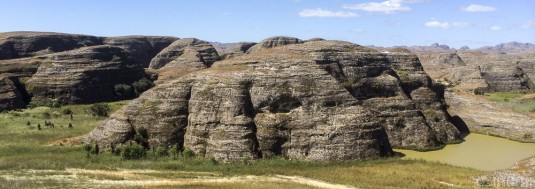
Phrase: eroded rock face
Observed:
(26, 44)
(141, 49)
(274, 42)
(11, 96)
(450, 58)
(481, 115)
(321, 100)
(183, 50)
(85, 75)
(237, 49)
(504, 77)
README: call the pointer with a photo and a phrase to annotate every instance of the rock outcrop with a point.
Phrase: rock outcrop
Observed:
(481, 115)
(450, 58)
(274, 42)
(66, 68)
(182, 57)
(141, 49)
(504, 77)
(320, 100)
(183, 50)
(85, 75)
(11, 94)
(237, 49)
(26, 44)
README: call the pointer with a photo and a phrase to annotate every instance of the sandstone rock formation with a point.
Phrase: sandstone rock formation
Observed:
(521, 175)
(10, 94)
(484, 116)
(182, 57)
(85, 75)
(234, 50)
(274, 42)
(141, 49)
(319, 100)
(503, 76)
(26, 44)
(66, 68)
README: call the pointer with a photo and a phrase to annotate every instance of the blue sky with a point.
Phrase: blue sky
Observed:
(367, 22)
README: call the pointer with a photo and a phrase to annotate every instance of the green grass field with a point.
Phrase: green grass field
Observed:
(514, 101)
(25, 152)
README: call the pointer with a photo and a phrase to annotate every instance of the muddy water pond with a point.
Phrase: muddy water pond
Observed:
(478, 151)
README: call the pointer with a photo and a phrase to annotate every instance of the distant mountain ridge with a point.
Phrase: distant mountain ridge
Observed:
(509, 47)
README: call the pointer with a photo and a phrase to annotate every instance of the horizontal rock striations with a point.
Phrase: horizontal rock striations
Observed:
(274, 42)
(26, 44)
(319, 100)
(85, 75)
(66, 68)
(181, 57)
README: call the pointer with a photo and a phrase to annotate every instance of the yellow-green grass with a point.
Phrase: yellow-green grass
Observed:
(514, 101)
(25, 147)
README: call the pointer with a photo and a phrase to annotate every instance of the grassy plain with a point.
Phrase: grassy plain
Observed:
(519, 102)
(28, 160)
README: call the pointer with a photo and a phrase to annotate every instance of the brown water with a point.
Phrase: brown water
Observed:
(478, 151)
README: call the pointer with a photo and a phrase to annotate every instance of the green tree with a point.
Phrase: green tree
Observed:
(162, 152)
(99, 109)
(187, 153)
(133, 151)
(123, 91)
(142, 85)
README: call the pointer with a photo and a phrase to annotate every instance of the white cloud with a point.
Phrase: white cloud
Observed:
(387, 7)
(326, 13)
(528, 25)
(495, 28)
(446, 25)
(478, 8)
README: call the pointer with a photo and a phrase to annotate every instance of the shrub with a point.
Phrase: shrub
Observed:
(142, 85)
(162, 152)
(99, 110)
(187, 153)
(174, 151)
(480, 91)
(35, 104)
(28, 123)
(123, 91)
(46, 115)
(133, 151)
(66, 111)
(95, 149)
(70, 126)
(38, 126)
(141, 137)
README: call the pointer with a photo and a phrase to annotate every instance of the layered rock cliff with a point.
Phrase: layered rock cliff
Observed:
(319, 100)
(26, 44)
(67, 68)
(86, 75)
